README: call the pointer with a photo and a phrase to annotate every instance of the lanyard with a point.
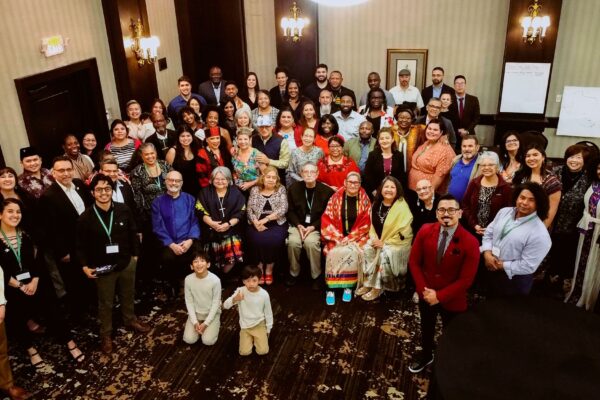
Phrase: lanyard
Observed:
(110, 223)
(17, 251)
(309, 203)
(505, 232)
(346, 212)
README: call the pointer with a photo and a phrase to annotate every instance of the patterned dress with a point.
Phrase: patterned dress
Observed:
(246, 171)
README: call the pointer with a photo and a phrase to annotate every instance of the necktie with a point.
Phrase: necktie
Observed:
(461, 107)
(442, 246)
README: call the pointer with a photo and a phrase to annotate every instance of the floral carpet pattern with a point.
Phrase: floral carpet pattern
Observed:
(353, 350)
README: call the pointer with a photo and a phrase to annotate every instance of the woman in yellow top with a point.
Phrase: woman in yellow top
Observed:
(386, 253)
(406, 135)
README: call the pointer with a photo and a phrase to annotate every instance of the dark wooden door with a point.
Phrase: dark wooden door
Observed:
(212, 32)
(64, 101)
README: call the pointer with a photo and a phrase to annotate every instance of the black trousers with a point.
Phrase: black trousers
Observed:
(175, 267)
(428, 319)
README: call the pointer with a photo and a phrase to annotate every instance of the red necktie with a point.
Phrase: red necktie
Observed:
(461, 107)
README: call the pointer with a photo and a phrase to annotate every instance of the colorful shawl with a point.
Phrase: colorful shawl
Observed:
(331, 221)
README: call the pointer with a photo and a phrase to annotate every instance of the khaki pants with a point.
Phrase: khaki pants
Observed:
(6, 378)
(312, 245)
(210, 335)
(106, 285)
(257, 336)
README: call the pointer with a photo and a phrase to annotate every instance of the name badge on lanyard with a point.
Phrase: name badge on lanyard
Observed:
(112, 249)
(23, 277)
(307, 219)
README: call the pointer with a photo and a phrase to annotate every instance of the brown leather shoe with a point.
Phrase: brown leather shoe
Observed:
(106, 345)
(17, 393)
(139, 327)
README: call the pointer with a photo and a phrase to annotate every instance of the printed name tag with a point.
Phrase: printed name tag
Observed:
(307, 219)
(496, 251)
(24, 276)
(112, 248)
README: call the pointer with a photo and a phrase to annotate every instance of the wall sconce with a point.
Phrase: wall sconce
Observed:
(144, 48)
(292, 26)
(534, 25)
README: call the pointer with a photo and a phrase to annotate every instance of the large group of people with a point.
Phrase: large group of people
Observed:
(393, 195)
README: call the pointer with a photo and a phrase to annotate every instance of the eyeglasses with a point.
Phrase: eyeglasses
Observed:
(309, 172)
(512, 141)
(450, 211)
(423, 189)
(63, 170)
(487, 165)
(355, 183)
(106, 189)
(174, 180)
(335, 146)
(434, 107)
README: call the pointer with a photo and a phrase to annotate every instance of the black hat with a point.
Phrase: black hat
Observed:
(28, 152)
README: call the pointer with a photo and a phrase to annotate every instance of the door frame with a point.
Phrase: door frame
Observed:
(89, 66)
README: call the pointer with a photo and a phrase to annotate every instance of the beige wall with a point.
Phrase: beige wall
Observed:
(576, 62)
(260, 31)
(23, 23)
(163, 23)
(358, 45)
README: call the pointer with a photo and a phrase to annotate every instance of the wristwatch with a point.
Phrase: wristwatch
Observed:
(20, 284)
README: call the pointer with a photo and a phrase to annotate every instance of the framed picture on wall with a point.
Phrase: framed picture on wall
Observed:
(415, 60)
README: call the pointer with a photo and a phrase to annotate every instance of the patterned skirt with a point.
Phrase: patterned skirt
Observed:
(341, 267)
(226, 251)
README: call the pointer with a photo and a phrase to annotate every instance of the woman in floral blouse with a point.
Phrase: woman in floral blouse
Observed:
(246, 167)
(267, 225)
(307, 152)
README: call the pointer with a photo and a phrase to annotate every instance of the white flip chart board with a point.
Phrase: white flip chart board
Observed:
(524, 88)
(580, 112)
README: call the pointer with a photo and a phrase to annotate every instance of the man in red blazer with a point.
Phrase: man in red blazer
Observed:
(443, 262)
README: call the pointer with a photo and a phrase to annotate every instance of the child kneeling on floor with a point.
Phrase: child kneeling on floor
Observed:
(203, 302)
(256, 316)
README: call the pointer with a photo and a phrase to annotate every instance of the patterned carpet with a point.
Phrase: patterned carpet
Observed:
(347, 351)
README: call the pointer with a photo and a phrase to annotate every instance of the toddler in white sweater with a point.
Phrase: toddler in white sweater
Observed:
(254, 308)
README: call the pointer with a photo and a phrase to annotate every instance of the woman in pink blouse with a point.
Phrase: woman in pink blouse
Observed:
(432, 159)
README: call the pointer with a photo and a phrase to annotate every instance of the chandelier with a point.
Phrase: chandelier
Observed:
(292, 26)
(534, 25)
(144, 48)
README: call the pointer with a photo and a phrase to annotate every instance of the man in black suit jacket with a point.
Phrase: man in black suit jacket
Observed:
(209, 89)
(278, 93)
(437, 88)
(122, 191)
(307, 201)
(467, 109)
(60, 207)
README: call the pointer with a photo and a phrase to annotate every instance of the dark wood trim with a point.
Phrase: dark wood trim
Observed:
(132, 81)
(492, 120)
(90, 66)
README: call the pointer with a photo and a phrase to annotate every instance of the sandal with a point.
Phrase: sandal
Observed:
(372, 295)
(38, 365)
(79, 358)
(362, 290)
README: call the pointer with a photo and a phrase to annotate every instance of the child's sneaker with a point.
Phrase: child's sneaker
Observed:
(347, 296)
(330, 298)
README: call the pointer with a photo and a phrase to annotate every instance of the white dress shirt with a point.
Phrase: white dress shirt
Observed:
(411, 94)
(349, 125)
(74, 197)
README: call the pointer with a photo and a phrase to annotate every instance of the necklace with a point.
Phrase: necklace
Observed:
(383, 216)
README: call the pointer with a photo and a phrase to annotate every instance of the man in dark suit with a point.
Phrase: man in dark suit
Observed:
(467, 109)
(443, 263)
(307, 201)
(60, 206)
(213, 90)
(278, 93)
(122, 192)
(437, 87)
